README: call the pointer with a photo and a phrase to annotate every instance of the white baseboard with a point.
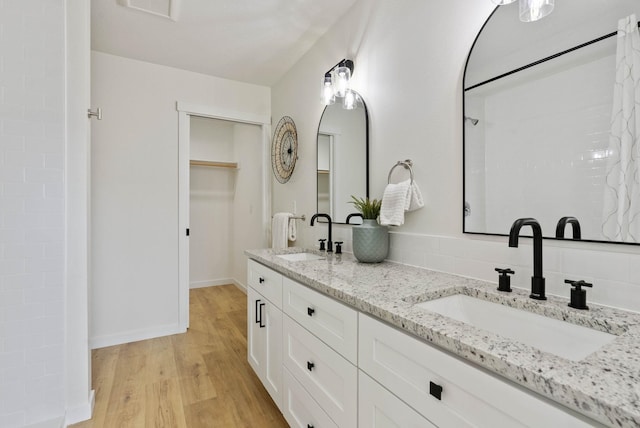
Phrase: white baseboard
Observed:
(57, 422)
(134, 336)
(211, 283)
(240, 285)
(82, 412)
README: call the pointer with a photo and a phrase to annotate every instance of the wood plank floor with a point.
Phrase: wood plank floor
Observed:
(197, 379)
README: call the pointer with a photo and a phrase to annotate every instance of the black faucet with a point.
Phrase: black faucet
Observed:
(350, 216)
(329, 242)
(537, 280)
(575, 226)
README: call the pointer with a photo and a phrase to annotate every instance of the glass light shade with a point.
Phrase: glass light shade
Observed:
(342, 81)
(532, 10)
(326, 91)
(502, 2)
(350, 101)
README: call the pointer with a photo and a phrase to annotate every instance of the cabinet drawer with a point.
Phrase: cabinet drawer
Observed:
(378, 408)
(300, 409)
(265, 281)
(332, 322)
(414, 371)
(329, 378)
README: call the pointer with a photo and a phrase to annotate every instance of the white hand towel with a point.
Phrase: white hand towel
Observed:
(394, 201)
(414, 200)
(280, 230)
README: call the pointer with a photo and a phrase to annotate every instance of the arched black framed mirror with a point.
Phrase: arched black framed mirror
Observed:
(343, 159)
(538, 103)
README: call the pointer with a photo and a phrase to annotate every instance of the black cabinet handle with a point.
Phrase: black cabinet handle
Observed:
(261, 325)
(258, 312)
(309, 426)
(435, 390)
(261, 280)
(310, 365)
(310, 311)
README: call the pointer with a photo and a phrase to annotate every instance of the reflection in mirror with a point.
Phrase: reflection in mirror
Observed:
(538, 136)
(343, 168)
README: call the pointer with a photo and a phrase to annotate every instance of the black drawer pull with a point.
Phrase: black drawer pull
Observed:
(435, 390)
(309, 426)
(310, 311)
(310, 365)
(261, 325)
(258, 312)
(261, 280)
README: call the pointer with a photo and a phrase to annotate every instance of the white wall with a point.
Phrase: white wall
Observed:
(32, 212)
(409, 60)
(135, 190)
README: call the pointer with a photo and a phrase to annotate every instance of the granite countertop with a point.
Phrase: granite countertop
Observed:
(604, 386)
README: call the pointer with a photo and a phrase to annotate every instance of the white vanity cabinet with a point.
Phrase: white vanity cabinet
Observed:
(264, 327)
(447, 391)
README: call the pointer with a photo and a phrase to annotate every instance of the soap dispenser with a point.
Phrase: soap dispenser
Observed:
(578, 295)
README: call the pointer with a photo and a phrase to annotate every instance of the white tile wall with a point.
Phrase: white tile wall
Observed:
(31, 211)
(614, 270)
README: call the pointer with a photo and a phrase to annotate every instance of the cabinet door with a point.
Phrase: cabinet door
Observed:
(272, 377)
(264, 342)
(378, 408)
(255, 338)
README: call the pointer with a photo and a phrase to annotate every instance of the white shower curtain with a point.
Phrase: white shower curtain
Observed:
(621, 220)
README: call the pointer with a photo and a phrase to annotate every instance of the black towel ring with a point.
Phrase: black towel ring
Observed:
(407, 164)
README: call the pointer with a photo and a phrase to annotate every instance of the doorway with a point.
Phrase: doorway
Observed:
(224, 196)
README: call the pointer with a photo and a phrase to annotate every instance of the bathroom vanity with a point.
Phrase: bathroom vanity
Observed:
(343, 344)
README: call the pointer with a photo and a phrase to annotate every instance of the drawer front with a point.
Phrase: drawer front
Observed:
(265, 281)
(418, 373)
(332, 322)
(378, 408)
(329, 378)
(300, 409)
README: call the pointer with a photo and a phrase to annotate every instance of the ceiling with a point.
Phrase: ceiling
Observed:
(254, 41)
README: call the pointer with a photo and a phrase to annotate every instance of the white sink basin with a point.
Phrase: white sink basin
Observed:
(558, 337)
(300, 257)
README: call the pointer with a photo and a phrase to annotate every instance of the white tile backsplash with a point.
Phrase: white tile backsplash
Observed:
(614, 270)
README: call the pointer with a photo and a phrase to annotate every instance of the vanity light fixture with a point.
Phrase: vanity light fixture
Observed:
(336, 83)
(531, 10)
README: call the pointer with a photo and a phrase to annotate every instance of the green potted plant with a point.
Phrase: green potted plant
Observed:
(370, 239)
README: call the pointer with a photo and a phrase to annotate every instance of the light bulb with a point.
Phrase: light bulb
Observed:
(342, 78)
(326, 91)
(350, 100)
(532, 10)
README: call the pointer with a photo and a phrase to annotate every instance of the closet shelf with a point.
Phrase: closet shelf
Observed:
(215, 164)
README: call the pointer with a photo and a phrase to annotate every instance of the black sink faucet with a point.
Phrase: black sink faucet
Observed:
(575, 226)
(537, 280)
(329, 242)
(352, 215)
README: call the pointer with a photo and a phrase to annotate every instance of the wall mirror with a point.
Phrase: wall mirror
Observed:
(538, 103)
(343, 159)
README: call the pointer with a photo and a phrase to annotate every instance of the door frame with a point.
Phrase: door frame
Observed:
(185, 111)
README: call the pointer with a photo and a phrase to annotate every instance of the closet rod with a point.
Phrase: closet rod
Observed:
(549, 58)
